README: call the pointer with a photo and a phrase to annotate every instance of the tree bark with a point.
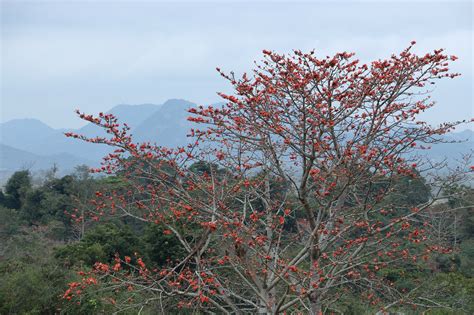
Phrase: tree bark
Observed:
(316, 307)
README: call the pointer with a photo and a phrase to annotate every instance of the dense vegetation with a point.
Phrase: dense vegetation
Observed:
(43, 247)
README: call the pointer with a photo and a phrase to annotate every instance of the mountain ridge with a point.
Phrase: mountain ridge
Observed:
(164, 124)
(31, 139)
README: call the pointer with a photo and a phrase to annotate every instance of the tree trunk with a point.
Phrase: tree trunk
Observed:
(263, 306)
(315, 304)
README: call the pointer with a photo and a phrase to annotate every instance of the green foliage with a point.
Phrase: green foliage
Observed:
(16, 188)
(349, 304)
(101, 244)
(31, 209)
(3, 198)
(448, 263)
(48, 202)
(10, 222)
(452, 290)
(407, 191)
(31, 289)
(411, 191)
(31, 282)
(202, 167)
(467, 258)
(160, 247)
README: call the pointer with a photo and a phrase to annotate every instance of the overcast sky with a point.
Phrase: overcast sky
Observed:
(60, 55)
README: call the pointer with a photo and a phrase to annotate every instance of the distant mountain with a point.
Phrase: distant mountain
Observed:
(58, 143)
(34, 136)
(29, 142)
(168, 126)
(12, 159)
(455, 145)
(133, 115)
(464, 136)
(23, 133)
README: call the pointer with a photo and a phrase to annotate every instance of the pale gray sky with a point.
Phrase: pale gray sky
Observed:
(60, 55)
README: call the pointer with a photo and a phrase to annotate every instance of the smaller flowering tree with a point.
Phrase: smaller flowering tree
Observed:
(287, 205)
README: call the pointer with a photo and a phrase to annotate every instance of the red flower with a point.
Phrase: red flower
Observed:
(282, 220)
(141, 263)
(220, 155)
(117, 267)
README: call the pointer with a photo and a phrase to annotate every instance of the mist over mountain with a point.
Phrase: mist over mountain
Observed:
(454, 146)
(29, 143)
(36, 137)
(24, 133)
(13, 159)
(133, 115)
(167, 126)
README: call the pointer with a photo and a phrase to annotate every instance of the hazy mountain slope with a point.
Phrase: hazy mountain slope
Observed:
(15, 159)
(59, 143)
(165, 124)
(461, 143)
(168, 126)
(133, 115)
(12, 160)
(36, 137)
(22, 133)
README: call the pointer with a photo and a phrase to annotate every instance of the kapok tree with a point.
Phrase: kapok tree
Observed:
(290, 206)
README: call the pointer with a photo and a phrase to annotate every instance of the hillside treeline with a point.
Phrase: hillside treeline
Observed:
(46, 238)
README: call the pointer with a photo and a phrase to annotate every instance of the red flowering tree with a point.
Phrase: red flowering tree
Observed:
(290, 204)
